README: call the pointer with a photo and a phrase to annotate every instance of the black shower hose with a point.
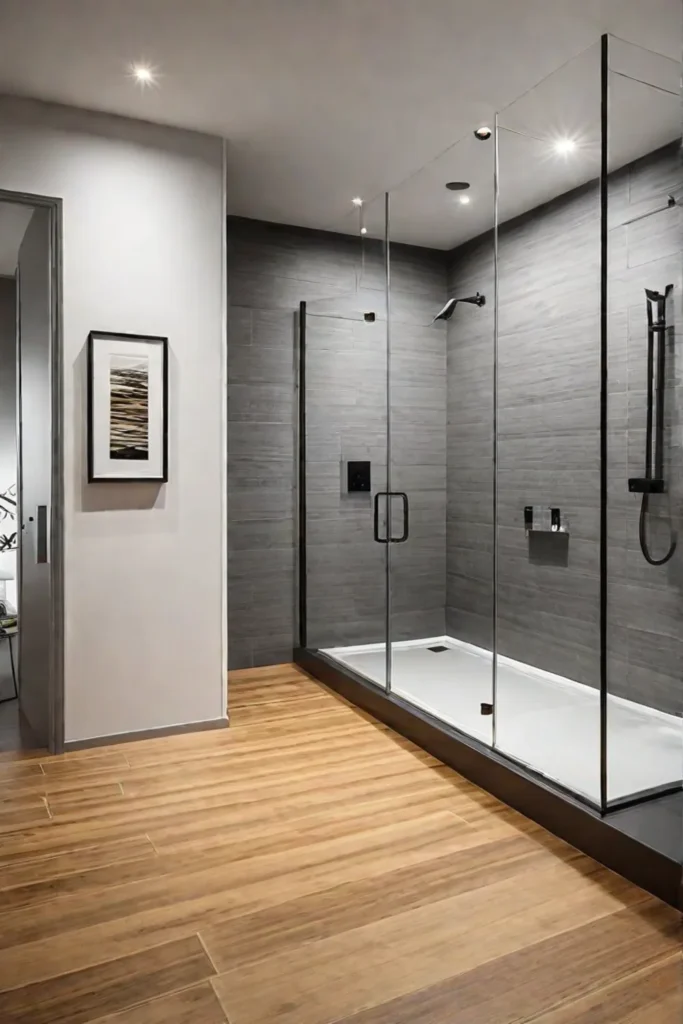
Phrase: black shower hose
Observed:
(643, 537)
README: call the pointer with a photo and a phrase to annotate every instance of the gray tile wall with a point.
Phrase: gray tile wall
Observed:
(271, 268)
(548, 420)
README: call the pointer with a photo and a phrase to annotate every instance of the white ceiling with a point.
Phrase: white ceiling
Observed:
(566, 104)
(326, 99)
(14, 218)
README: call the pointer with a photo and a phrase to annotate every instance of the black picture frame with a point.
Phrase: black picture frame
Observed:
(93, 338)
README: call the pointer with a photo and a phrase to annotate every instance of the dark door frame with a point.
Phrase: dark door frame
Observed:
(55, 688)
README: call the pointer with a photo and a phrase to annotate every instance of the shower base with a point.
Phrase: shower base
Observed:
(544, 721)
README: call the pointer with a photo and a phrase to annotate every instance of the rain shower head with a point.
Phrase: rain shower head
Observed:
(447, 312)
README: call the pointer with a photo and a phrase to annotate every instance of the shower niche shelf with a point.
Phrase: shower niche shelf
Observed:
(544, 519)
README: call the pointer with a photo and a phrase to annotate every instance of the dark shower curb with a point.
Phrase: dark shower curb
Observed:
(577, 824)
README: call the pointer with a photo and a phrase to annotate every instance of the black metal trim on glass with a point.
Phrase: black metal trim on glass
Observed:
(375, 517)
(494, 437)
(302, 570)
(406, 517)
(604, 154)
(388, 646)
(644, 796)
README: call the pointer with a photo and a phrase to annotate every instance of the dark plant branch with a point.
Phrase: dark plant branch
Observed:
(8, 503)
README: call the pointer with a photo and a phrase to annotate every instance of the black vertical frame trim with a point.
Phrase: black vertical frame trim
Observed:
(604, 153)
(388, 645)
(494, 437)
(302, 571)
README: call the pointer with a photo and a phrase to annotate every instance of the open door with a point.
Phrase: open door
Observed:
(34, 328)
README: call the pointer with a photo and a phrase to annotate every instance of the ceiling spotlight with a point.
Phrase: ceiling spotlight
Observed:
(363, 231)
(143, 74)
(565, 146)
(357, 201)
(482, 133)
(464, 200)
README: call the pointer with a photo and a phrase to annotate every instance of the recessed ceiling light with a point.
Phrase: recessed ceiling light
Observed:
(144, 74)
(483, 133)
(363, 231)
(357, 201)
(565, 146)
(464, 200)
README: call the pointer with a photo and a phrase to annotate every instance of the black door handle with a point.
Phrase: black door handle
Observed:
(406, 517)
(380, 494)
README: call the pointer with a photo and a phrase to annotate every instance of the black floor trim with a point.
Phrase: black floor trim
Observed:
(578, 824)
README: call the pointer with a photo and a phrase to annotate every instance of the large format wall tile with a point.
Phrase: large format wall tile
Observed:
(441, 405)
(271, 269)
(548, 441)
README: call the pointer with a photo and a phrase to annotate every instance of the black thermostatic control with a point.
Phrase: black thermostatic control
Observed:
(358, 476)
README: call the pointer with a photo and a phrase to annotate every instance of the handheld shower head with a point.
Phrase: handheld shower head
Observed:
(447, 312)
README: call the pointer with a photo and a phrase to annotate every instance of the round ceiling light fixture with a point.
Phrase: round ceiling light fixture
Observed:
(457, 186)
(483, 133)
(565, 146)
(143, 74)
(357, 201)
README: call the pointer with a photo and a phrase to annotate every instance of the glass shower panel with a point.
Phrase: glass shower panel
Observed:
(547, 638)
(645, 414)
(345, 395)
(441, 437)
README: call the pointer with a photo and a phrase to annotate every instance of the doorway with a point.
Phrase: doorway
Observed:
(31, 632)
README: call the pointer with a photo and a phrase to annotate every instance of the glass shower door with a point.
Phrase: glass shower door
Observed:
(440, 443)
(644, 704)
(343, 388)
(548, 386)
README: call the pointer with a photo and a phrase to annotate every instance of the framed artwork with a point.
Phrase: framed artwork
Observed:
(127, 407)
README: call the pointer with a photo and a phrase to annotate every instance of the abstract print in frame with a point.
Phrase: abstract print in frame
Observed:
(127, 407)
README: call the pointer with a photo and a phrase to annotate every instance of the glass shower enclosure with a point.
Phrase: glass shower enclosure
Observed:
(490, 435)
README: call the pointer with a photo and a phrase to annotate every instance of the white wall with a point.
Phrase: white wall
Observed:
(143, 252)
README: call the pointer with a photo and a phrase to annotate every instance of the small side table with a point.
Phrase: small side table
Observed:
(8, 635)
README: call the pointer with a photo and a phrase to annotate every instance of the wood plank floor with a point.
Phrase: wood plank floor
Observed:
(303, 867)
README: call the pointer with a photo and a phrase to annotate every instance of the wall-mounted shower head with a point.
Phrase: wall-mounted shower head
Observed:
(447, 312)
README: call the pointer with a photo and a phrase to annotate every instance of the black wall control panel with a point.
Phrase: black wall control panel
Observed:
(358, 478)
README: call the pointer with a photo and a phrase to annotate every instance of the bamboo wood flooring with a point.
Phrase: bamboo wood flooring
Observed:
(306, 866)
